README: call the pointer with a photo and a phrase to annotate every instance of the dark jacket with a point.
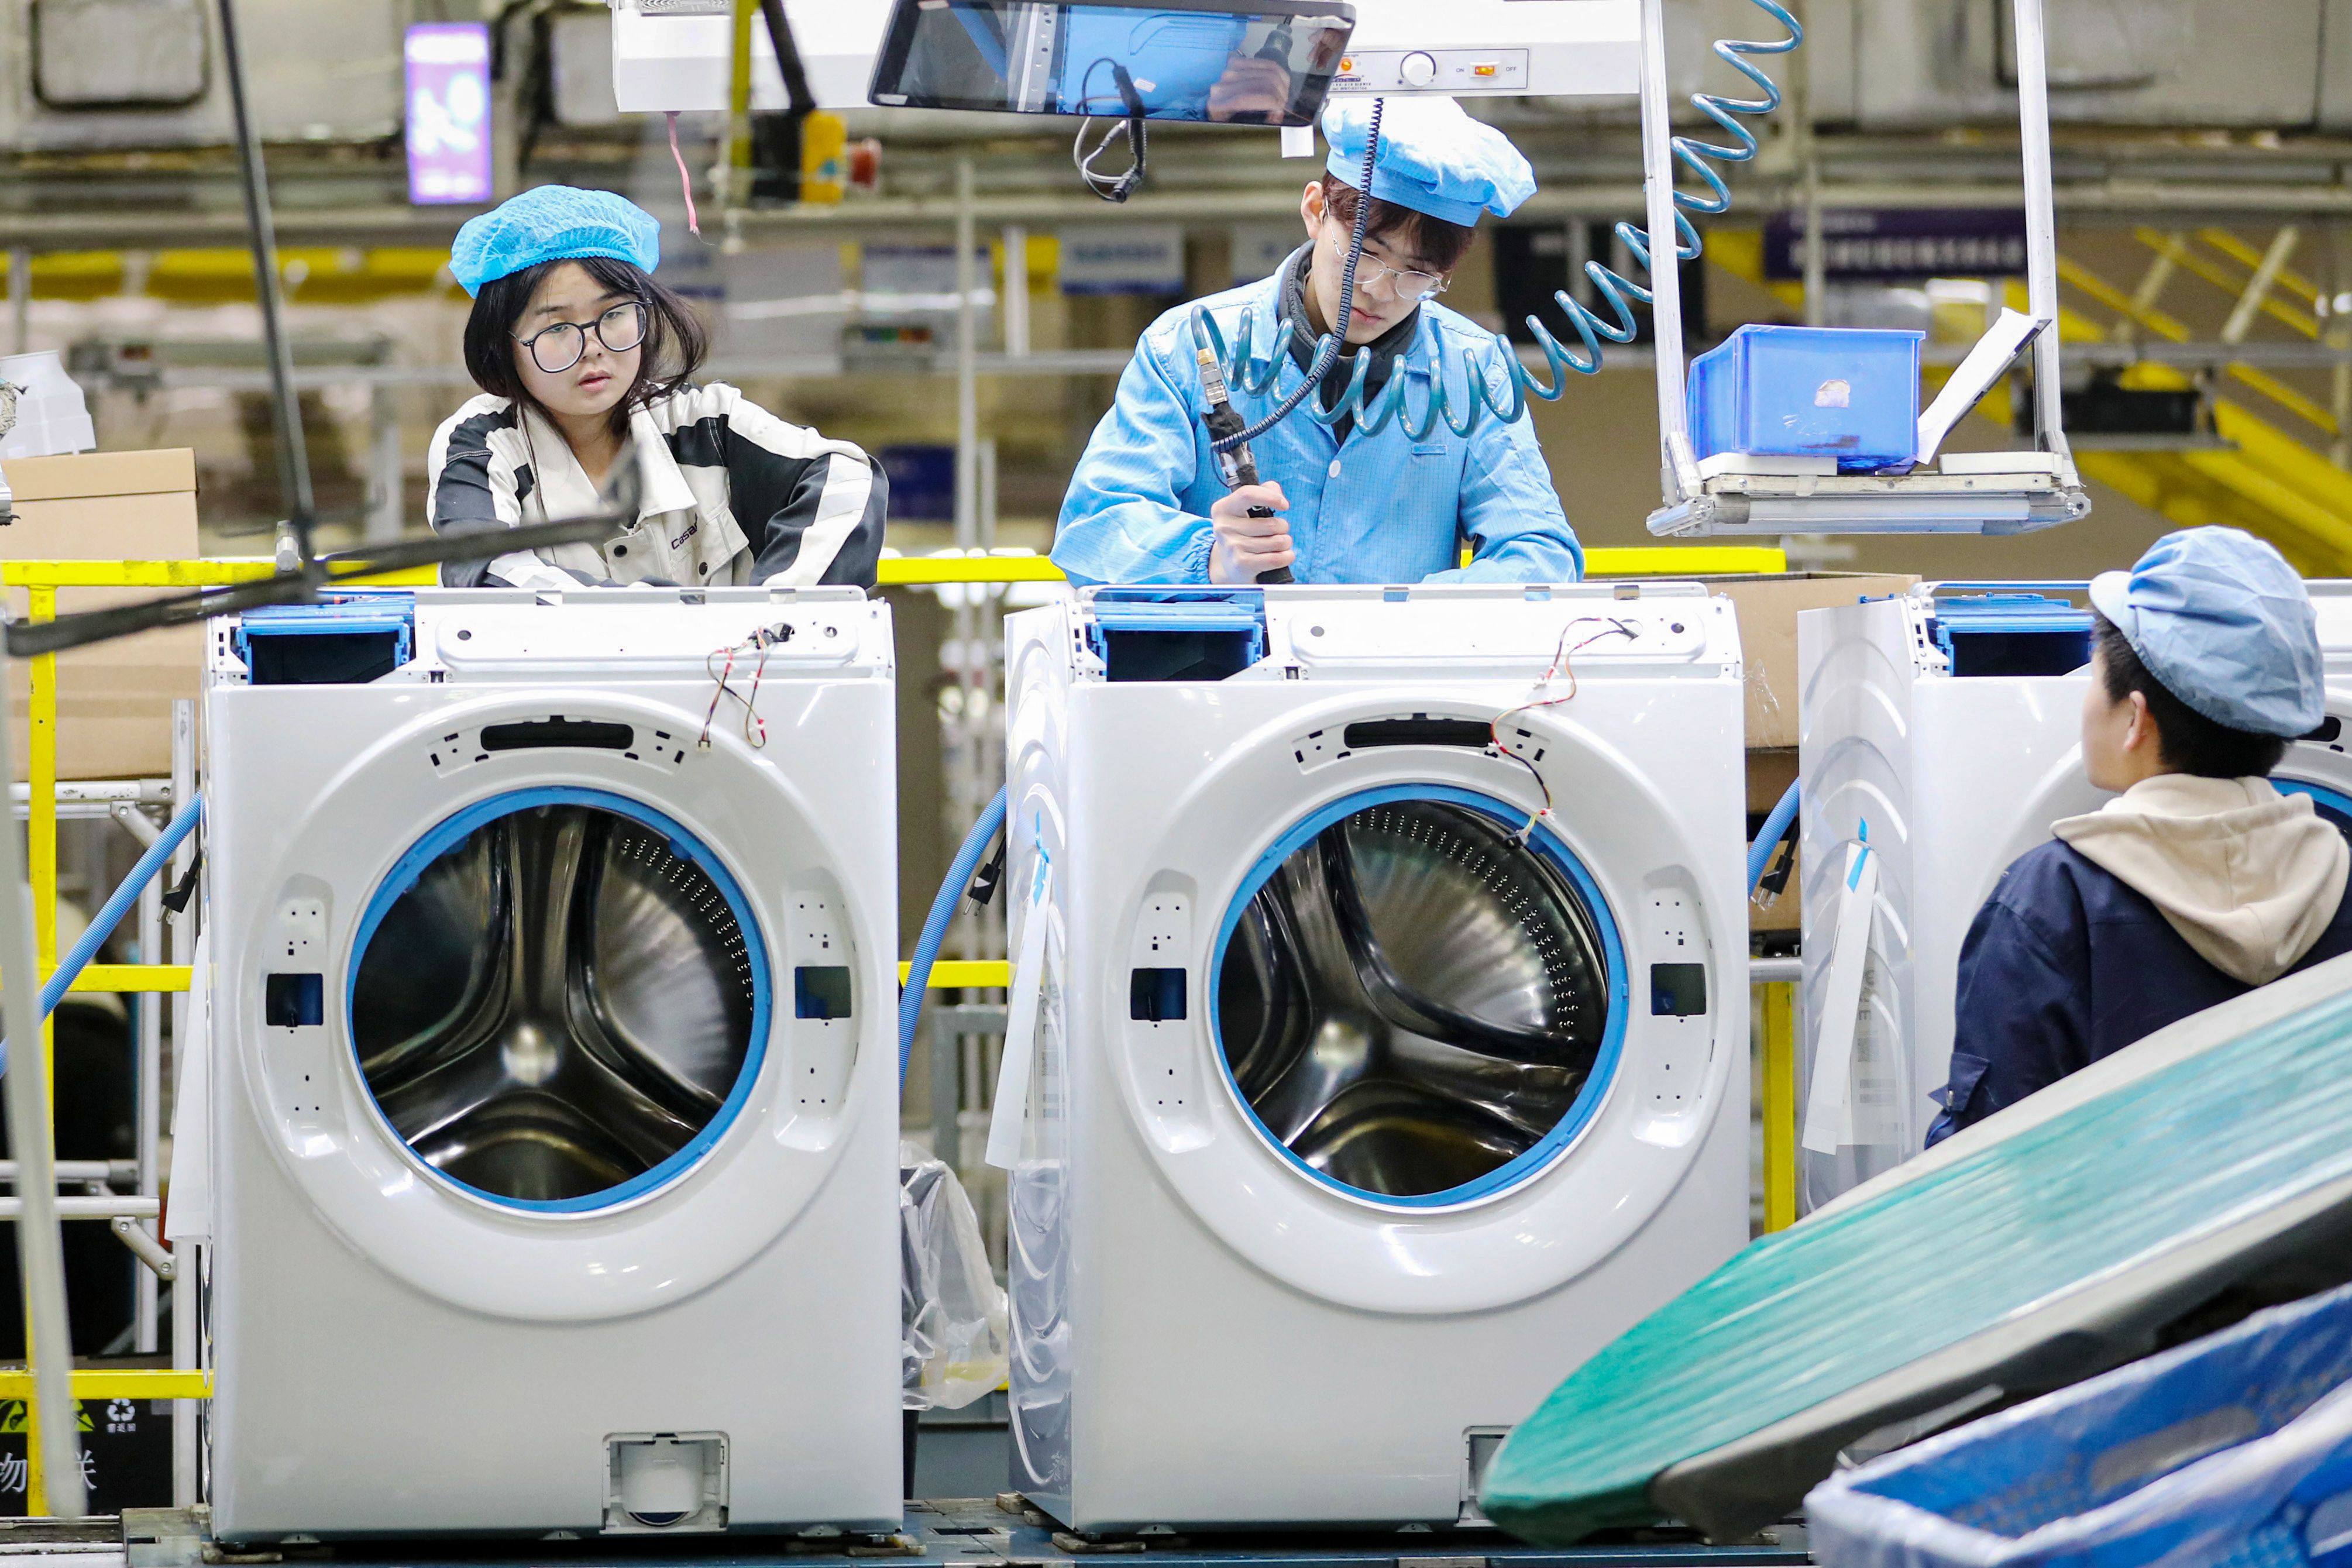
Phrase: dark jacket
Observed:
(2066, 964)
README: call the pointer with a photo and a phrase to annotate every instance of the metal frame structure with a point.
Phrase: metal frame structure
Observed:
(2041, 489)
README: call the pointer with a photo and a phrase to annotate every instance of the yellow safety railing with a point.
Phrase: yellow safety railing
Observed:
(1779, 1050)
(41, 581)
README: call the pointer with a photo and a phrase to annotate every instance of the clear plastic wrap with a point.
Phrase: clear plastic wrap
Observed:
(951, 1309)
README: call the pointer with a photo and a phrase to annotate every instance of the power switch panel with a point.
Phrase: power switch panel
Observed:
(1677, 989)
(822, 1053)
(1671, 1037)
(1156, 995)
(294, 1001)
(820, 991)
(300, 1063)
(1164, 1043)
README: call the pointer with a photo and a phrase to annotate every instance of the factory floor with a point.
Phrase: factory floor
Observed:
(967, 1532)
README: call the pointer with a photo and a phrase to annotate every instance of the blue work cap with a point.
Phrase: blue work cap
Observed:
(1433, 158)
(553, 223)
(2225, 625)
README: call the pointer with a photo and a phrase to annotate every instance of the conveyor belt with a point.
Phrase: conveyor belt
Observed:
(968, 1533)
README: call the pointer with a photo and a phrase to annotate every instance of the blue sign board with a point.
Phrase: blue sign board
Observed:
(1900, 243)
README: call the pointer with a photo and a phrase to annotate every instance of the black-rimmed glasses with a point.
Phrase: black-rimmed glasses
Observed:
(558, 348)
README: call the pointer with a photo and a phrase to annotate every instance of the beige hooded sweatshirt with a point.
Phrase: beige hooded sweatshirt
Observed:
(2248, 877)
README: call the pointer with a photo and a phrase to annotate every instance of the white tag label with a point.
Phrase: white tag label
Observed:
(1829, 1107)
(1006, 1121)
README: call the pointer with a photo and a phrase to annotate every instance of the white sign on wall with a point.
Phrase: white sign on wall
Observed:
(1146, 258)
(1259, 248)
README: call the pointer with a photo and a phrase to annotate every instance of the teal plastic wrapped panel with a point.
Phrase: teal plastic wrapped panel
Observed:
(2207, 1167)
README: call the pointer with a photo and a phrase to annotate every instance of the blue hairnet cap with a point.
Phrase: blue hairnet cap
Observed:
(2225, 624)
(1433, 158)
(552, 222)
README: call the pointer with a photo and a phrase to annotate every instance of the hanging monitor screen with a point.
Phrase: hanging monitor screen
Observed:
(1238, 62)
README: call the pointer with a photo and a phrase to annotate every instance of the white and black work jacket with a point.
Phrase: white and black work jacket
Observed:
(733, 494)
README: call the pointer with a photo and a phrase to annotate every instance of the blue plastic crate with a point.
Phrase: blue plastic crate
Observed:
(2234, 1451)
(1850, 393)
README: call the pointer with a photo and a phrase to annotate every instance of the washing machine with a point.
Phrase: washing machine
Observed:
(554, 1095)
(1389, 1053)
(1941, 730)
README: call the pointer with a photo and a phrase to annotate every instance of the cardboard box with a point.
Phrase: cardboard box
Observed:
(114, 699)
(1768, 609)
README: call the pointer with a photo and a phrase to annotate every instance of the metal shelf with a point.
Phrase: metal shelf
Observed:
(2153, 443)
(2045, 493)
(1771, 505)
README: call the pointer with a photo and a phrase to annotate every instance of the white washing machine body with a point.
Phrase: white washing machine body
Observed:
(1361, 1109)
(1918, 737)
(554, 1092)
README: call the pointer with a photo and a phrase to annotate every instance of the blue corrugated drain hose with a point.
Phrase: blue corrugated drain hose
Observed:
(111, 914)
(1760, 854)
(935, 925)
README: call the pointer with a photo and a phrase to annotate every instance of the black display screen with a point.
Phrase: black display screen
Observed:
(1237, 62)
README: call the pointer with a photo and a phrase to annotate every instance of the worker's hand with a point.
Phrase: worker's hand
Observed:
(1248, 545)
(1251, 91)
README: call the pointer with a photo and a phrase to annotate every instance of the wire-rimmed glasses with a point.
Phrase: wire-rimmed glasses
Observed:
(1407, 285)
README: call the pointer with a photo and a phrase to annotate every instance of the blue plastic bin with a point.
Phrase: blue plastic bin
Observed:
(1850, 393)
(2232, 1452)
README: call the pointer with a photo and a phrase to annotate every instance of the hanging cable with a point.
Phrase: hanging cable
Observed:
(1768, 838)
(1113, 188)
(935, 924)
(1561, 664)
(1507, 398)
(1326, 353)
(685, 180)
(109, 914)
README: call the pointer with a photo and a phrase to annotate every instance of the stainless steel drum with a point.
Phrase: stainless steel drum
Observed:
(560, 1002)
(1414, 998)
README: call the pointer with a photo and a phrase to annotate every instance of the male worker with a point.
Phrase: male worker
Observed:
(2200, 881)
(1146, 504)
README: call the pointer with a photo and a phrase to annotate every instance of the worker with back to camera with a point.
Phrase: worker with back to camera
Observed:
(584, 360)
(2200, 881)
(1340, 505)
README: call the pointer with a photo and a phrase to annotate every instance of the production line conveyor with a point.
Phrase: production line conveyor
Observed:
(963, 1532)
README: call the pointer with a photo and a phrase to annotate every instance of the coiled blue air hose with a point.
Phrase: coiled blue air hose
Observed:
(1760, 854)
(1619, 294)
(111, 914)
(935, 926)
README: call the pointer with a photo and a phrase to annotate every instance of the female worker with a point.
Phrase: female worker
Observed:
(2200, 881)
(1146, 505)
(583, 360)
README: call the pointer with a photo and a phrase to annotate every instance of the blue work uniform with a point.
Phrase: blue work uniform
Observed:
(1369, 509)
(2067, 963)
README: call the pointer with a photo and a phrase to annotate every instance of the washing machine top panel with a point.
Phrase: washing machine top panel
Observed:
(1452, 631)
(613, 637)
(1414, 1003)
(558, 999)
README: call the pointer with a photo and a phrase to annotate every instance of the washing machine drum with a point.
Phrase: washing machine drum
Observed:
(1414, 999)
(559, 1007)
